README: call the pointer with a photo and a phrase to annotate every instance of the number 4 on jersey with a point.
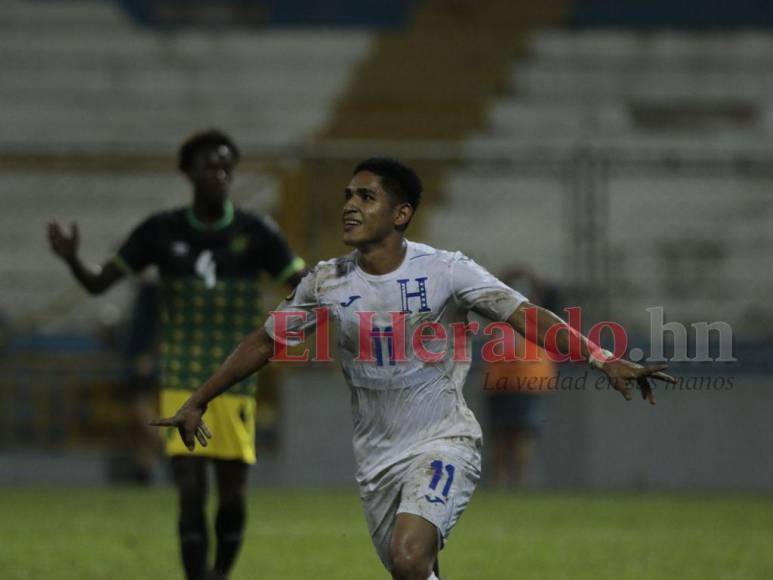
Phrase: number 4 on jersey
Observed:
(207, 269)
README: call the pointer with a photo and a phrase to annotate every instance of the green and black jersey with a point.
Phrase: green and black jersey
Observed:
(210, 285)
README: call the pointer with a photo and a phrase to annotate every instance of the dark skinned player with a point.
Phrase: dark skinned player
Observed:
(210, 256)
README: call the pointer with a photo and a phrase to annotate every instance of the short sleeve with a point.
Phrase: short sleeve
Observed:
(276, 256)
(136, 253)
(476, 289)
(295, 313)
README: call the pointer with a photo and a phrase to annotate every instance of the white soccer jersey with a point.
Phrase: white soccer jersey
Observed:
(400, 404)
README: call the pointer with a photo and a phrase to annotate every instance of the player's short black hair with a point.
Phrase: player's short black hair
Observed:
(396, 177)
(209, 138)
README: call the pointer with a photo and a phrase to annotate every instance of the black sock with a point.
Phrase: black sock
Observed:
(194, 542)
(229, 529)
(190, 474)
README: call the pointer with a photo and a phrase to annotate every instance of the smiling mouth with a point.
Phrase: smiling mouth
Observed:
(351, 223)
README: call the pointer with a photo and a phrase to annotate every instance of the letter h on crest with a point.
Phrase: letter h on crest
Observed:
(421, 294)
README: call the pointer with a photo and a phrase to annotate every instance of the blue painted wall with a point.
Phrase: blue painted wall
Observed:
(373, 14)
(687, 14)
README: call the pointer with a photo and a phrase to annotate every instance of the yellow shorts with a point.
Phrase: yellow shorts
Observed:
(230, 418)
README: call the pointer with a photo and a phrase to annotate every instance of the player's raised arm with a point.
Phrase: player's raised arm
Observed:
(94, 280)
(252, 354)
(533, 322)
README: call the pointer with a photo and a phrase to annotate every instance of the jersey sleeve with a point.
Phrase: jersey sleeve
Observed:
(295, 314)
(276, 255)
(476, 289)
(136, 253)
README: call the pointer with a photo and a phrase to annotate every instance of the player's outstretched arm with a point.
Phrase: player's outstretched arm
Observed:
(250, 356)
(620, 372)
(66, 247)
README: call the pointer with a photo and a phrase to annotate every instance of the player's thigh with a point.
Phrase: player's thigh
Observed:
(231, 476)
(190, 477)
(380, 501)
(441, 482)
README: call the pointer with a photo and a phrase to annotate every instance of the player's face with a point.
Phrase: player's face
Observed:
(369, 211)
(211, 172)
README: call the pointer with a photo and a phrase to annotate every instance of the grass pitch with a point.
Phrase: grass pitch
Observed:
(119, 533)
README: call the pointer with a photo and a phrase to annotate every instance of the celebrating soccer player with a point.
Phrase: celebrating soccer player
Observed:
(209, 256)
(417, 445)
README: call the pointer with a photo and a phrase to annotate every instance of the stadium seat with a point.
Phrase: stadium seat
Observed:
(276, 84)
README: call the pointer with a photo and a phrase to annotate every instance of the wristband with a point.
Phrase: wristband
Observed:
(597, 358)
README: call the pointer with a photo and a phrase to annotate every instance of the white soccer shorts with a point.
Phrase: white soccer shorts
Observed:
(436, 484)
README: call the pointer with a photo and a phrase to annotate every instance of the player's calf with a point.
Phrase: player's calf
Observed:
(413, 548)
(191, 481)
(231, 514)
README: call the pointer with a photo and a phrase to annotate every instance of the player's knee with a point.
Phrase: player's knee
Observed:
(192, 521)
(410, 562)
(231, 512)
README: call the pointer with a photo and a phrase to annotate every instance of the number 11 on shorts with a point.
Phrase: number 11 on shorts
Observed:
(437, 475)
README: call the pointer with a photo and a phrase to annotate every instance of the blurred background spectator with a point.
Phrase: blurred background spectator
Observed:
(517, 392)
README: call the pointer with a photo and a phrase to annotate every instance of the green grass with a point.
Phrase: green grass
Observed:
(117, 534)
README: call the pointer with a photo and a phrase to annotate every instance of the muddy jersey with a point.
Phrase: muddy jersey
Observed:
(396, 345)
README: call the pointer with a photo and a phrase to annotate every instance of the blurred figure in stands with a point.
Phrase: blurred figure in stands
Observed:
(517, 393)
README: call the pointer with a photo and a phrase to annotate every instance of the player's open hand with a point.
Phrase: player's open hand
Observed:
(63, 245)
(190, 424)
(622, 373)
